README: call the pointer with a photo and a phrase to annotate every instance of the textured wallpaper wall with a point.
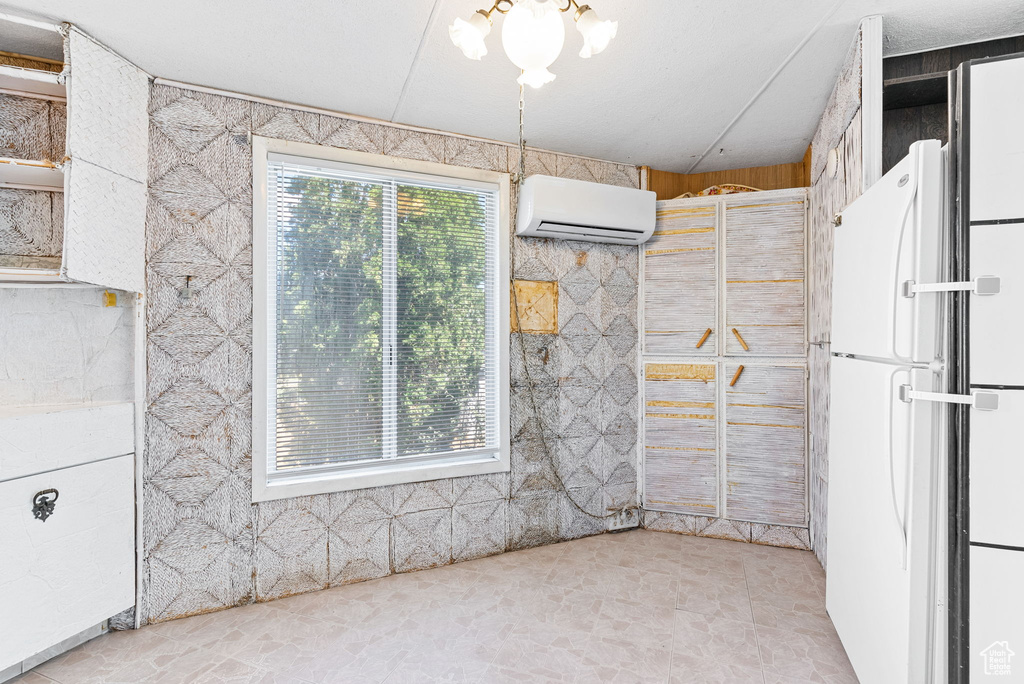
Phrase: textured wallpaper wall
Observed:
(206, 545)
(839, 129)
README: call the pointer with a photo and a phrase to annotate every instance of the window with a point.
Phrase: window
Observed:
(380, 320)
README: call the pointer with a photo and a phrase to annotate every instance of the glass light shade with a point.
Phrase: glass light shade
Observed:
(596, 33)
(532, 34)
(469, 36)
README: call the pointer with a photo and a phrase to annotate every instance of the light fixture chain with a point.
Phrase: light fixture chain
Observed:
(522, 139)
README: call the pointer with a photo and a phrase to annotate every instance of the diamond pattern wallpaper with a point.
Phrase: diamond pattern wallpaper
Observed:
(207, 547)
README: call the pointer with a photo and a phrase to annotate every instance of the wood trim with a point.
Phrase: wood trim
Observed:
(28, 62)
(668, 185)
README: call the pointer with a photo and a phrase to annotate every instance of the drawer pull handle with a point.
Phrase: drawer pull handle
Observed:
(740, 338)
(707, 334)
(43, 505)
(736, 377)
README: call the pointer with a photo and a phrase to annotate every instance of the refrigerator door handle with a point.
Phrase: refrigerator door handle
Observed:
(894, 497)
(978, 399)
(982, 285)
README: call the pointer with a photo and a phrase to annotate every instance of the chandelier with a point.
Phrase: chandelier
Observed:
(532, 34)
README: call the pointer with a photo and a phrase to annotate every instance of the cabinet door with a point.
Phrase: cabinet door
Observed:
(680, 280)
(764, 444)
(764, 274)
(76, 568)
(680, 438)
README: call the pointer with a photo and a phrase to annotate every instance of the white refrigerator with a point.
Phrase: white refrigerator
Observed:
(886, 465)
(925, 566)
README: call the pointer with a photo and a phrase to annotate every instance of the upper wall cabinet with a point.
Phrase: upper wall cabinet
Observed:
(764, 273)
(73, 169)
(747, 301)
(680, 280)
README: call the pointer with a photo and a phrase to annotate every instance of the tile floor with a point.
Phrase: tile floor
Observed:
(633, 607)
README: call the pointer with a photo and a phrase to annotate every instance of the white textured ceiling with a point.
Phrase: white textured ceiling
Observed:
(694, 85)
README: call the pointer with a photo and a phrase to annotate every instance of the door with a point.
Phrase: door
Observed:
(681, 280)
(765, 463)
(883, 525)
(996, 326)
(997, 475)
(997, 599)
(680, 438)
(889, 236)
(764, 274)
(75, 568)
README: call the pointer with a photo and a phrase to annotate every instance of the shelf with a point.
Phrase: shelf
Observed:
(25, 276)
(29, 174)
(31, 83)
(915, 91)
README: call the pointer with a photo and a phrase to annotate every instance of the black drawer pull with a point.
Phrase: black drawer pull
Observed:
(43, 505)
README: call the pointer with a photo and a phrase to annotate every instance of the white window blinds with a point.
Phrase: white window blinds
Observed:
(384, 315)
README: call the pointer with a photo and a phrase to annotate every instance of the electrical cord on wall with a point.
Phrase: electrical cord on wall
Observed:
(612, 511)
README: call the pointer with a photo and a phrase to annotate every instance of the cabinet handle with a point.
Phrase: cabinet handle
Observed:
(43, 505)
(736, 377)
(740, 338)
(704, 338)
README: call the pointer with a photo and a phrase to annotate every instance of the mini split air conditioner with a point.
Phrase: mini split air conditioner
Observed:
(577, 210)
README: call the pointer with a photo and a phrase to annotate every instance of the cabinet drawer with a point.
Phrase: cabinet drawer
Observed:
(75, 569)
(38, 439)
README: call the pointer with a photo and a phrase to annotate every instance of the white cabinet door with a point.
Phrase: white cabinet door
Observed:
(997, 326)
(680, 442)
(997, 614)
(997, 140)
(70, 572)
(681, 280)
(997, 473)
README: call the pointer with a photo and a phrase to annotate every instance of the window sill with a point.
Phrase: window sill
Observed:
(286, 486)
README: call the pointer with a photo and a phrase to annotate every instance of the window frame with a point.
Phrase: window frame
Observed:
(361, 475)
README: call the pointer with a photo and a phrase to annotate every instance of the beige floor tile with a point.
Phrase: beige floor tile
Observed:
(539, 651)
(613, 660)
(702, 639)
(720, 595)
(795, 657)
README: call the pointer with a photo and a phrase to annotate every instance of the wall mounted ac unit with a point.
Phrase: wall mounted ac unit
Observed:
(576, 210)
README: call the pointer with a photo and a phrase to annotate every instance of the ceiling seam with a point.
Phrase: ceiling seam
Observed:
(768, 82)
(416, 58)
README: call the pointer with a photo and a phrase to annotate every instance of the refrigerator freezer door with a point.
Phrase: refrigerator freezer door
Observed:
(890, 235)
(997, 140)
(997, 474)
(997, 327)
(882, 520)
(997, 603)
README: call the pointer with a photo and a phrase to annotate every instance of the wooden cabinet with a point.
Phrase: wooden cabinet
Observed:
(764, 274)
(71, 567)
(680, 280)
(74, 171)
(765, 420)
(734, 264)
(681, 445)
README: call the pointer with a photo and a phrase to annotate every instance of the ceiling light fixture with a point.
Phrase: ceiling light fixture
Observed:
(533, 34)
